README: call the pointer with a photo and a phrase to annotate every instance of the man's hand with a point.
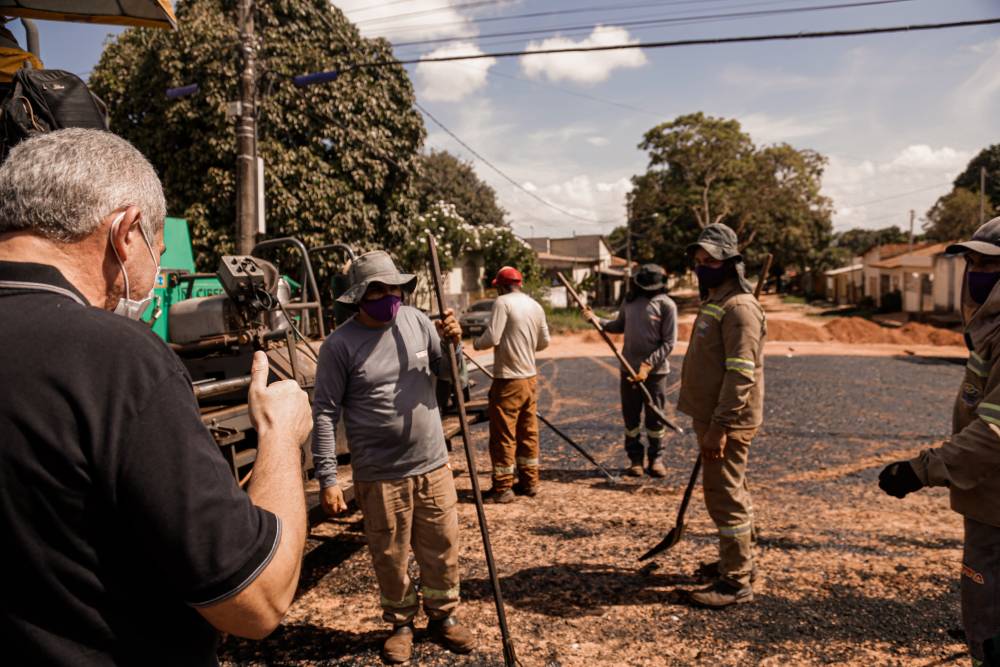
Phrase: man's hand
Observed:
(898, 479)
(448, 327)
(332, 499)
(713, 443)
(641, 374)
(281, 408)
(588, 314)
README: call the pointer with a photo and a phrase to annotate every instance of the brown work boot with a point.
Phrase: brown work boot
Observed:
(657, 469)
(722, 593)
(399, 646)
(530, 490)
(635, 468)
(451, 634)
(710, 572)
(500, 497)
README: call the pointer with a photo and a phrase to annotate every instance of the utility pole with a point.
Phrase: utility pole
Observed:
(628, 245)
(982, 195)
(913, 215)
(246, 135)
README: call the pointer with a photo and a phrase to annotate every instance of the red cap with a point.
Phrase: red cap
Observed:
(508, 275)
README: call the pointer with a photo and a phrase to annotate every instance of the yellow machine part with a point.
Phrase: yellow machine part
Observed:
(143, 13)
(12, 60)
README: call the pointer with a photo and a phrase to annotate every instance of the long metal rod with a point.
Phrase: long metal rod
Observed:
(509, 657)
(572, 443)
(647, 397)
(246, 134)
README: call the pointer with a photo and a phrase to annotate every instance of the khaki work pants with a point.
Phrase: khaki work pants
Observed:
(421, 513)
(514, 432)
(727, 498)
(981, 588)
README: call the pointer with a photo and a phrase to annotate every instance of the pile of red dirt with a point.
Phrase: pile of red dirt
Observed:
(924, 334)
(862, 331)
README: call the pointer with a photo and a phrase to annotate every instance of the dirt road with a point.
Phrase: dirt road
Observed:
(850, 575)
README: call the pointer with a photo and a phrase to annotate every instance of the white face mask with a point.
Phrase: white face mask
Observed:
(128, 307)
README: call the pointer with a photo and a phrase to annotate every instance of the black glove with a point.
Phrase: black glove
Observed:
(898, 479)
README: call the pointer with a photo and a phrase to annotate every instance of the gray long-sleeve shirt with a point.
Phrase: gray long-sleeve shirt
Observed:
(650, 328)
(382, 382)
(517, 330)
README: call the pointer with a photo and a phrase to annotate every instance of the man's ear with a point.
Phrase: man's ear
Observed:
(122, 240)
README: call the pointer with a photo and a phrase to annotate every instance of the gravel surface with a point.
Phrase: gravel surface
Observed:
(849, 575)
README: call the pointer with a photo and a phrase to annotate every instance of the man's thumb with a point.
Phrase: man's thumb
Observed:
(258, 372)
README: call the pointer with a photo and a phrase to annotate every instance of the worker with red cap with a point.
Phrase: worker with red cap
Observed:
(517, 329)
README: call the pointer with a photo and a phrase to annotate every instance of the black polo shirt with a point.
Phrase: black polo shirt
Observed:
(118, 513)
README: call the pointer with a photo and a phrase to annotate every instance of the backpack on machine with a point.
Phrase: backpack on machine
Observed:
(43, 100)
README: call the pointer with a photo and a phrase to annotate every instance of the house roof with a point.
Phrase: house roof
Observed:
(900, 260)
(844, 269)
(548, 256)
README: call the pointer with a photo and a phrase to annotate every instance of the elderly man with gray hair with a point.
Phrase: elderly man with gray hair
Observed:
(125, 538)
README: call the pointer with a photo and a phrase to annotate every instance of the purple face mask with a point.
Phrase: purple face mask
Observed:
(383, 309)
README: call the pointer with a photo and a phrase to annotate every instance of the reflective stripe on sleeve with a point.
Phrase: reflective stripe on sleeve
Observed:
(989, 412)
(978, 365)
(525, 462)
(440, 594)
(740, 365)
(712, 310)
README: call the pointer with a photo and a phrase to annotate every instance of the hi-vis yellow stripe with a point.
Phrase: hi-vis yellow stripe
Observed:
(740, 365)
(989, 412)
(978, 365)
(712, 310)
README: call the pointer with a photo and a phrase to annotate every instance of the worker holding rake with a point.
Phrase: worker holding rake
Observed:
(722, 389)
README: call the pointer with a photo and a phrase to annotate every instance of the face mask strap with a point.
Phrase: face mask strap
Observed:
(111, 240)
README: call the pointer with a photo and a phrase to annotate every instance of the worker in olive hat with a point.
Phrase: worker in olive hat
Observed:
(648, 318)
(969, 462)
(722, 389)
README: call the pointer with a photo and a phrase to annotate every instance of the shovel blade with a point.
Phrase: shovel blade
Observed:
(672, 538)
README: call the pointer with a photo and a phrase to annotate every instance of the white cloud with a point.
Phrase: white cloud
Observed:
(981, 88)
(600, 142)
(758, 79)
(770, 129)
(452, 81)
(587, 67)
(414, 20)
(874, 194)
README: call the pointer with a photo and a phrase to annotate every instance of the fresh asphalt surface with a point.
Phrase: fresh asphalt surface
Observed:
(837, 589)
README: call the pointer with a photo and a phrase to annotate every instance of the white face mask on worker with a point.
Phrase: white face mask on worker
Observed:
(128, 307)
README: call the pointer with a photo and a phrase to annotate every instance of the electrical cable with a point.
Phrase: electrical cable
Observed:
(706, 41)
(653, 22)
(298, 334)
(898, 195)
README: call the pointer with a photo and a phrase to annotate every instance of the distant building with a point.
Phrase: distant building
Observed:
(586, 260)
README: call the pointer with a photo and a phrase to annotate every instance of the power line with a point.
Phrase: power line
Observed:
(708, 41)
(658, 21)
(437, 10)
(505, 176)
(898, 195)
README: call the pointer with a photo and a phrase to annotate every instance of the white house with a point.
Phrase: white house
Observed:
(580, 258)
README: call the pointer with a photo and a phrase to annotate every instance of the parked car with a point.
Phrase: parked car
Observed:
(475, 318)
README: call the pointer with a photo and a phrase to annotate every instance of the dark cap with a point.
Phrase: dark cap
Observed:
(717, 240)
(986, 240)
(650, 277)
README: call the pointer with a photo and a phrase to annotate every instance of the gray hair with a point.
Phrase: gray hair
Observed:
(62, 184)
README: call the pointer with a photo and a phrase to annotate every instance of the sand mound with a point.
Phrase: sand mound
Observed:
(924, 334)
(859, 330)
(852, 330)
(796, 330)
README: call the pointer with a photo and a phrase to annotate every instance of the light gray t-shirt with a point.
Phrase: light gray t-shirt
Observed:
(650, 328)
(382, 382)
(517, 329)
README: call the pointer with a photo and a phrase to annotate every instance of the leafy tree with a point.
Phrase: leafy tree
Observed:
(339, 156)
(444, 177)
(858, 241)
(704, 170)
(955, 216)
(969, 179)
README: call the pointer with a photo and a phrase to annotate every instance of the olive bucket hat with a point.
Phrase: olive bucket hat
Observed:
(719, 241)
(986, 240)
(374, 267)
(650, 277)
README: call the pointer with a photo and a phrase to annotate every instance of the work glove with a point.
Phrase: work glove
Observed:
(898, 479)
(641, 373)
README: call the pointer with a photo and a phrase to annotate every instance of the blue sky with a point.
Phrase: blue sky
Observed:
(898, 115)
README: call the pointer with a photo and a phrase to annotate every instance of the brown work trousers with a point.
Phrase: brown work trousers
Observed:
(981, 589)
(727, 498)
(417, 512)
(514, 432)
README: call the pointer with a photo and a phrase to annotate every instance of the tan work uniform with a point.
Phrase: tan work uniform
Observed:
(722, 381)
(969, 464)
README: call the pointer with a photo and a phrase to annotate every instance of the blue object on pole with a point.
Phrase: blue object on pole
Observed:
(183, 91)
(319, 77)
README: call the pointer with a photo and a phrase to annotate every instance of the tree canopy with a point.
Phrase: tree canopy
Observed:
(445, 178)
(989, 158)
(955, 216)
(339, 156)
(704, 170)
(857, 241)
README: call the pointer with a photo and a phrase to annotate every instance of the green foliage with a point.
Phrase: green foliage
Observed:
(955, 216)
(338, 156)
(704, 170)
(444, 177)
(858, 241)
(969, 179)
